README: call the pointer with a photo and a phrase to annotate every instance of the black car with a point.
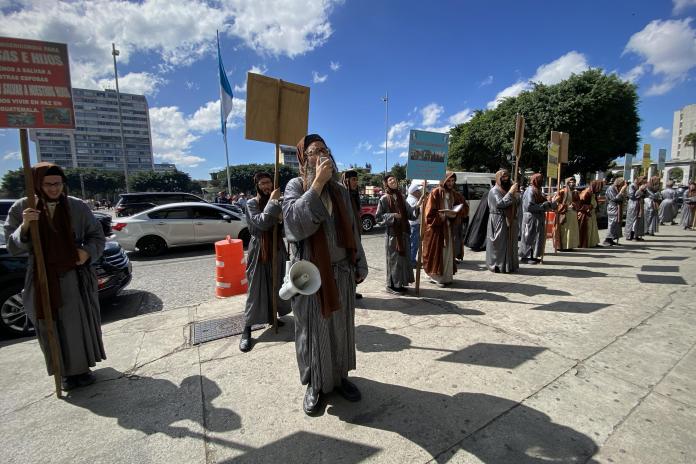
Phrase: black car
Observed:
(133, 203)
(113, 274)
(5, 206)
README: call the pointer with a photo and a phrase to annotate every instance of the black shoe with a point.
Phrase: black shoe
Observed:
(640, 239)
(358, 296)
(393, 291)
(349, 391)
(245, 341)
(69, 383)
(310, 404)
(88, 378)
(609, 241)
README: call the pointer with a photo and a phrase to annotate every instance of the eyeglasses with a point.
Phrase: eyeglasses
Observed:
(52, 184)
(318, 151)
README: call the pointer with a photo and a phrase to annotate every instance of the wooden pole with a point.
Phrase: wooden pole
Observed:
(543, 249)
(274, 254)
(419, 261)
(39, 264)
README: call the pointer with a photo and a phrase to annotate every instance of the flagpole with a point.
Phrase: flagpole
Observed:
(223, 113)
(227, 162)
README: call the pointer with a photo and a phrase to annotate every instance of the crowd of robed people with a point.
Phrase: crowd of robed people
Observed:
(319, 216)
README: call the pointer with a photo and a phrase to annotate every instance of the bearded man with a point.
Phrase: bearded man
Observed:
(394, 212)
(635, 214)
(534, 208)
(438, 236)
(349, 179)
(587, 215)
(615, 194)
(501, 236)
(652, 206)
(320, 227)
(263, 212)
(566, 234)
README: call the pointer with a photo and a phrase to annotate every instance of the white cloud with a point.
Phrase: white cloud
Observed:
(549, 74)
(403, 154)
(634, 74)
(141, 83)
(173, 132)
(254, 69)
(319, 79)
(668, 48)
(363, 147)
(431, 113)
(660, 133)
(398, 135)
(12, 155)
(487, 81)
(179, 32)
(335, 65)
(682, 5)
(460, 118)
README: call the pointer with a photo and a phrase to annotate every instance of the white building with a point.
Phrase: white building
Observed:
(96, 140)
(684, 123)
(288, 157)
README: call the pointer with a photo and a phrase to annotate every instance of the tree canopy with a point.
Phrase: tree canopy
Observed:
(97, 183)
(599, 111)
(242, 176)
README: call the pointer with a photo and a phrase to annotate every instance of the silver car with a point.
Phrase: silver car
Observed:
(151, 232)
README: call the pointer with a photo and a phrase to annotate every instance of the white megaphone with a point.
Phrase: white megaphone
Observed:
(302, 277)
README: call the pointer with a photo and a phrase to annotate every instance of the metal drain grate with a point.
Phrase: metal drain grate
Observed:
(215, 329)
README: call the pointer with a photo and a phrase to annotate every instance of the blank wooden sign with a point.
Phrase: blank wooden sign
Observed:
(264, 121)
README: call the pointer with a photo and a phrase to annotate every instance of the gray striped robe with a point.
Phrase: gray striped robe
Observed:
(325, 348)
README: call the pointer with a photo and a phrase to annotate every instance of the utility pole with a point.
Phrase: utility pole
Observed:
(115, 53)
(385, 99)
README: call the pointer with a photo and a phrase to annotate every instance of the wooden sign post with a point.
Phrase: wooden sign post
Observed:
(276, 112)
(419, 261)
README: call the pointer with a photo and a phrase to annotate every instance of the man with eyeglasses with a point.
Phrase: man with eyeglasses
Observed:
(320, 227)
(71, 239)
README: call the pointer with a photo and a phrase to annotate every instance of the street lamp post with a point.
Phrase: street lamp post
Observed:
(115, 53)
(385, 99)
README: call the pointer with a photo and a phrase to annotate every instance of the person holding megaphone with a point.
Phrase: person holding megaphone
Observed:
(321, 228)
(262, 213)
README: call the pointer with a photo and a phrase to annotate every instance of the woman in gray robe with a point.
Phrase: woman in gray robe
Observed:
(501, 238)
(652, 206)
(72, 239)
(534, 208)
(263, 212)
(324, 336)
(399, 272)
(635, 214)
(689, 208)
(668, 207)
(616, 194)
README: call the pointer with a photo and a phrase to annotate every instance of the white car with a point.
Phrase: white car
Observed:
(151, 232)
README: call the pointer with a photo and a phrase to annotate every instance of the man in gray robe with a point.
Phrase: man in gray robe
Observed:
(415, 192)
(689, 209)
(668, 207)
(262, 213)
(501, 237)
(394, 213)
(635, 214)
(652, 205)
(71, 239)
(534, 208)
(320, 227)
(615, 194)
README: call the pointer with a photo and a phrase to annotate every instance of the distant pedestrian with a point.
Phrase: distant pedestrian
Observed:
(262, 213)
(501, 236)
(668, 207)
(566, 233)
(242, 201)
(534, 208)
(635, 214)
(652, 206)
(222, 198)
(71, 240)
(415, 192)
(350, 181)
(587, 215)
(689, 209)
(615, 195)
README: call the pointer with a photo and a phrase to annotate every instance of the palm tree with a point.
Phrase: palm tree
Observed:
(690, 139)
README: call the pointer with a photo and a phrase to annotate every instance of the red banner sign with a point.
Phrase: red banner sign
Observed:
(35, 90)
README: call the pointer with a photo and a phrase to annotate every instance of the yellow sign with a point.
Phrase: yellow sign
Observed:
(646, 158)
(552, 165)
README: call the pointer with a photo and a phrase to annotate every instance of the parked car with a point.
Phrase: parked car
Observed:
(5, 206)
(113, 269)
(132, 203)
(368, 212)
(153, 231)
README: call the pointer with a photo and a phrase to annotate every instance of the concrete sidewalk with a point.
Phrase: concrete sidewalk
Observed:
(587, 358)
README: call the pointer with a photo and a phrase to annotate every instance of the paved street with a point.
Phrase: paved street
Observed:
(587, 358)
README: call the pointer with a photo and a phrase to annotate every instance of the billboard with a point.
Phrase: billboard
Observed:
(661, 158)
(35, 90)
(427, 155)
(646, 158)
(628, 167)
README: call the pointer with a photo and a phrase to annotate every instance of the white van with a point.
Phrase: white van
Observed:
(475, 187)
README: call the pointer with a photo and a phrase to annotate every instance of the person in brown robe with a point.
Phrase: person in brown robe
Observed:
(565, 234)
(438, 236)
(587, 215)
(349, 179)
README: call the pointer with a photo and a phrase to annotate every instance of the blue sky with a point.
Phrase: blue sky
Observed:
(439, 61)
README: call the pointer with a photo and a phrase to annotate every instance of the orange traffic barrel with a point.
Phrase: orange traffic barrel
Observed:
(550, 221)
(230, 265)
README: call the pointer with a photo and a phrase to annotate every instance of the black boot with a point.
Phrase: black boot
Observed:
(245, 341)
(310, 404)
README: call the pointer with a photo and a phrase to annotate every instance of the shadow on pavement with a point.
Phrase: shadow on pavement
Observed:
(660, 279)
(509, 287)
(591, 264)
(494, 429)
(539, 270)
(130, 303)
(441, 297)
(671, 258)
(493, 355)
(191, 251)
(412, 307)
(648, 268)
(577, 307)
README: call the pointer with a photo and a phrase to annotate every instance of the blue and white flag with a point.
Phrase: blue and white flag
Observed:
(225, 92)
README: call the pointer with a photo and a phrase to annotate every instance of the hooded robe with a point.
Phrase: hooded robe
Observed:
(501, 236)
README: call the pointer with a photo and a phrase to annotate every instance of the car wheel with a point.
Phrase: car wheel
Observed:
(367, 223)
(151, 245)
(245, 237)
(13, 319)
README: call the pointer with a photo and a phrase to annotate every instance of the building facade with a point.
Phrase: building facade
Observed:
(96, 140)
(684, 124)
(288, 157)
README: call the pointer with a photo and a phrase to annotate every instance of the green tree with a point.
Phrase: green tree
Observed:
(242, 176)
(97, 183)
(690, 139)
(154, 181)
(13, 184)
(599, 112)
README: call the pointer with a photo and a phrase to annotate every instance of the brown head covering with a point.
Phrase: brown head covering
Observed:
(692, 189)
(536, 183)
(596, 186)
(354, 194)
(329, 300)
(448, 175)
(639, 180)
(262, 199)
(619, 181)
(655, 183)
(57, 239)
(571, 178)
(397, 204)
(498, 178)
